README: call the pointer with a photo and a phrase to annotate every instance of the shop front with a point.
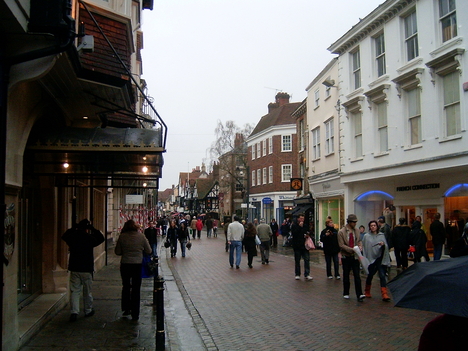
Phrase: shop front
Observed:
(415, 196)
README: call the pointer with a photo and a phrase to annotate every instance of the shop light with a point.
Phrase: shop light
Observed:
(458, 187)
(66, 165)
(144, 169)
(374, 192)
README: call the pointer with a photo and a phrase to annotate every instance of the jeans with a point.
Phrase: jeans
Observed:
(351, 264)
(438, 251)
(265, 251)
(182, 247)
(235, 245)
(131, 285)
(81, 281)
(374, 268)
(154, 247)
(304, 254)
(328, 259)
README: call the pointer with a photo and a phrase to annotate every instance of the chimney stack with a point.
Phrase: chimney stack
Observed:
(280, 100)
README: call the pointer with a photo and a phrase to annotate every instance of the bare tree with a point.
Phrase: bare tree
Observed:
(226, 137)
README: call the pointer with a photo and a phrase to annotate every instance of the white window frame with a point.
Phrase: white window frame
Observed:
(264, 146)
(286, 143)
(259, 176)
(286, 173)
(379, 43)
(356, 68)
(316, 143)
(317, 98)
(382, 126)
(270, 174)
(451, 100)
(259, 153)
(253, 152)
(253, 178)
(448, 16)
(357, 133)
(411, 36)
(330, 136)
(270, 145)
(413, 108)
(264, 175)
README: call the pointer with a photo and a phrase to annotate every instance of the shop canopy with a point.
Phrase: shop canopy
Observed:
(115, 157)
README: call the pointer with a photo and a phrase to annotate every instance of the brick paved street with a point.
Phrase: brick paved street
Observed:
(264, 308)
(210, 306)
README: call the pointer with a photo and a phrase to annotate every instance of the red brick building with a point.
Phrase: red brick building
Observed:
(272, 160)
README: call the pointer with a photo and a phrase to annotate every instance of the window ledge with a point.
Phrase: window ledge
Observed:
(450, 138)
(357, 159)
(330, 154)
(382, 154)
(327, 97)
(413, 147)
(316, 159)
(316, 107)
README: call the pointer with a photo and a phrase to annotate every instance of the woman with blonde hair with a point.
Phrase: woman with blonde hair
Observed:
(131, 246)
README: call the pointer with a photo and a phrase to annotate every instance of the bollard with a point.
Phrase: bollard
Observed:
(155, 280)
(160, 334)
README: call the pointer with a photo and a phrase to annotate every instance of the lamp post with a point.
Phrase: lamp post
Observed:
(247, 192)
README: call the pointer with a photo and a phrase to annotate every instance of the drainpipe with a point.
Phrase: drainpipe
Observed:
(5, 66)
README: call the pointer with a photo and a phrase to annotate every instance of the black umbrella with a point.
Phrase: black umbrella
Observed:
(438, 286)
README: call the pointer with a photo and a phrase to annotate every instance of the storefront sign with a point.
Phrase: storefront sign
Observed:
(418, 187)
(267, 200)
(134, 199)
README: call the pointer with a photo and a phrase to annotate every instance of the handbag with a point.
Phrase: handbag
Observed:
(309, 243)
(149, 267)
(257, 240)
(188, 245)
(167, 244)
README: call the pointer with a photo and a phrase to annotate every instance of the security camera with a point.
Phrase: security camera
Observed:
(329, 82)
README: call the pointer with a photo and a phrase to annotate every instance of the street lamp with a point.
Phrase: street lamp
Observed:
(246, 188)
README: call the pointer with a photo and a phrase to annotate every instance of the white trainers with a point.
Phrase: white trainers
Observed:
(338, 277)
(362, 296)
(297, 277)
(309, 277)
(330, 277)
(346, 297)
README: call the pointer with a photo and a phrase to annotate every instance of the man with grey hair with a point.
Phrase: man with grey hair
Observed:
(264, 233)
(235, 234)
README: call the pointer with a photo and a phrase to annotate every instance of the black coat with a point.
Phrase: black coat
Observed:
(437, 230)
(249, 243)
(330, 242)
(152, 235)
(81, 245)
(298, 238)
(401, 237)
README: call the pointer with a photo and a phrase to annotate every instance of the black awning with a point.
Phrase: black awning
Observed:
(300, 209)
(119, 154)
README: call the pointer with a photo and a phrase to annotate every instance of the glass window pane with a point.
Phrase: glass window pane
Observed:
(383, 136)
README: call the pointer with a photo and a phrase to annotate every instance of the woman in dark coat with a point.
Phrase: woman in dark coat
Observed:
(249, 242)
(184, 236)
(400, 238)
(419, 240)
(172, 236)
(329, 238)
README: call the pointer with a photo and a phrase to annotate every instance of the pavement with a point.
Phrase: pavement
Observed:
(210, 306)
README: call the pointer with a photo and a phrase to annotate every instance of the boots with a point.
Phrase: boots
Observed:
(385, 296)
(367, 291)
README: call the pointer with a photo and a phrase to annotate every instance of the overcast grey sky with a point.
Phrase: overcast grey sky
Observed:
(209, 60)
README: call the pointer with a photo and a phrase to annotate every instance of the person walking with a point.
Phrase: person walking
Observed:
(375, 249)
(348, 237)
(285, 231)
(199, 227)
(151, 234)
(299, 234)
(131, 245)
(172, 236)
(264, 233)
(225, 229)
(329, 238)
(274, 229)
(249, 243)
(419, 239)
(183, 237)
(437, 230)
(81, 241)
(209, 226)
(235, 236)
(400, 238)
(193, 227)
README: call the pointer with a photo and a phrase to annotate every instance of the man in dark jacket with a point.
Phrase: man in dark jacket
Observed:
(329, 238)
(299, 233)
(81, 240)
(401, 240)
(437, 230)
(151, 234)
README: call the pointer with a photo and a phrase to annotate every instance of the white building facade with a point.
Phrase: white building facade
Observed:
(403, 84)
